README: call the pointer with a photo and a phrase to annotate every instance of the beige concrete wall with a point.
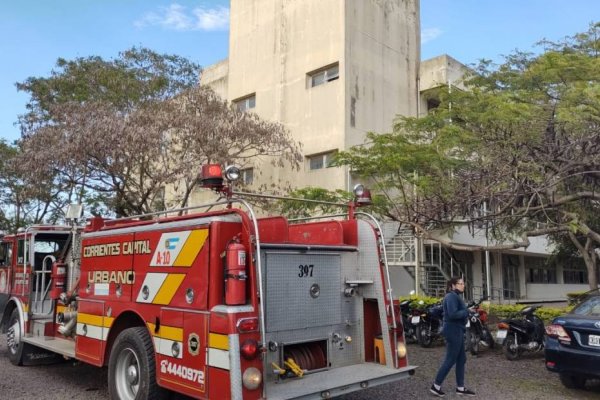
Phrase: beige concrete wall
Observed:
(274, 44)
(217, 77)
(382, 63)
(439, 71)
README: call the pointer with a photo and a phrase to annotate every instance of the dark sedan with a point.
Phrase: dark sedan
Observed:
(573, 343)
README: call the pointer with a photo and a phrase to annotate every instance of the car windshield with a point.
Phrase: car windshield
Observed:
(590, 307)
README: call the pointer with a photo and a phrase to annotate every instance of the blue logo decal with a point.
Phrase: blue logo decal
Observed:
(171, 244)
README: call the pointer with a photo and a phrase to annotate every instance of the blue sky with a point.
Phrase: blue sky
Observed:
(34, 33)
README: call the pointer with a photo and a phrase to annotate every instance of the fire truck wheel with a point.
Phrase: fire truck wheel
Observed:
(16, 348)
(132, 368)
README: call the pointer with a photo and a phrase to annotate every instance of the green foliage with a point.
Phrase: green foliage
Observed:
(522, 142)
(496, 311)
(415, 301)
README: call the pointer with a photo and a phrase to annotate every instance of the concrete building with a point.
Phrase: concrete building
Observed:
(332, 70)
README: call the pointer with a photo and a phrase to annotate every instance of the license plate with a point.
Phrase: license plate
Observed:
(501, 334)
(415, 320)
(594, 340)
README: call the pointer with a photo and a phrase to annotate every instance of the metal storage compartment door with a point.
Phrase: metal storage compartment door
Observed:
(303, 290)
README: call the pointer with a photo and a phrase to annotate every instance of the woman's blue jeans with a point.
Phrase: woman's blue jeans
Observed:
(455, 355)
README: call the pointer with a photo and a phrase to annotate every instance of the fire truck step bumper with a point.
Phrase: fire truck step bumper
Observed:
(336, 382)
(56, 345)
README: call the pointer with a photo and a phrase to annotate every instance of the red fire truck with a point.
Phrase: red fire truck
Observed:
(215, 305)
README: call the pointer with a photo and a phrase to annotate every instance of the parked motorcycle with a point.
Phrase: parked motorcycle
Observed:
(430, 325)
(519, 335)
(410, 329)
(477, 334)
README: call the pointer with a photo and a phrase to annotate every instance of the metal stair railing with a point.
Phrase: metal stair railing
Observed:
(401, 251)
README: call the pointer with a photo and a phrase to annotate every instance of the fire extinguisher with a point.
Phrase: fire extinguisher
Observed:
(59, 277)
(235, 273)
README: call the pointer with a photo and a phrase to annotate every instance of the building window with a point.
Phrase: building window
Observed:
(538, 270)
(245, 103)
(247, 176)
(320, 161)
(432, 104)
(324, 75)
(575, 271)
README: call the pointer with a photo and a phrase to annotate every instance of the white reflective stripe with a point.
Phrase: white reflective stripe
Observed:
(171, 243)
(218, 358)
(92, 331)
(235, 371)
(153, 281)
(165, 347)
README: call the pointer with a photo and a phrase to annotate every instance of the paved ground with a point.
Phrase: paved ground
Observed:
(490, 375)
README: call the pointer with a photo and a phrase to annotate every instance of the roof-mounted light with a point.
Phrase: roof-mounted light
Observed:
(358, 190)
(211, 176)
(232, 173)
(362, 196)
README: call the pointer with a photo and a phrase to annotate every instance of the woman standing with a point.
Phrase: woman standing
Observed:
(455, 320)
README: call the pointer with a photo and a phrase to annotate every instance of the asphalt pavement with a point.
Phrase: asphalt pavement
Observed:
(490, 375)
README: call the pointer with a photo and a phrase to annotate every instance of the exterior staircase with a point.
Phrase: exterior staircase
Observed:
(428, 262)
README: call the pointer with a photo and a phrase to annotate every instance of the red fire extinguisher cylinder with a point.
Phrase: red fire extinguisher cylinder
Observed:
(235, 274)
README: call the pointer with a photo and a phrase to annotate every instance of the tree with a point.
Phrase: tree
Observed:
(114, 134)
(21, 202)
(518, 150)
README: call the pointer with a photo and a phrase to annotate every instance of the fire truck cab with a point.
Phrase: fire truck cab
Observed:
(215, 305)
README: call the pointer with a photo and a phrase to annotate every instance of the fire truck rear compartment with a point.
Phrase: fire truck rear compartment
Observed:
(309, 319)
(316, 306)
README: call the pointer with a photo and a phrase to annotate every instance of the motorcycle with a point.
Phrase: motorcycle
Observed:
(519, 335)
(477, 333)
(430, 325)
(410, 320)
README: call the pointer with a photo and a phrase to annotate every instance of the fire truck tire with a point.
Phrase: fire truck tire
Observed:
(132, 367)
(17, 350)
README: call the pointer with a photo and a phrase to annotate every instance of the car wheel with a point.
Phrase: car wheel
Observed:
(572, 381)
(511, 349)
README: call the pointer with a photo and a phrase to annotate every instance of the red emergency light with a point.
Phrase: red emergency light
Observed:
(211, 176)
(362, 196)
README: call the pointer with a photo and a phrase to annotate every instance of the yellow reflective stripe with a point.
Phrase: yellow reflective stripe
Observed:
(60, 309)
(96, 320)
(166, 332)
(90, 319)
(191, 248)
(218, 341)
(168, 289)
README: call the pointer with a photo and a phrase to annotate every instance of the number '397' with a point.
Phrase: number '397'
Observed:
(305, 270)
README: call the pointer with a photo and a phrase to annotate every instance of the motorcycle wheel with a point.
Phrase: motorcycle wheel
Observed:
(488, 338)
(511, 350)
(471, 342)
(409, 335)
(425, 338)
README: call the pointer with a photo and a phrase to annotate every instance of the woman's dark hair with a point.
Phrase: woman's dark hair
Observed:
(452, 282)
